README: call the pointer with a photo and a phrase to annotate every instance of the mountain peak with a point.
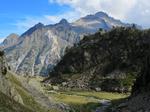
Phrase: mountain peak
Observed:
(39, 25)
(31, 30)
(63, 21)
(101, 14)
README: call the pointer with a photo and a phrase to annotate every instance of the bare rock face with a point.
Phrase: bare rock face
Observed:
(36, 53)
(40, 48)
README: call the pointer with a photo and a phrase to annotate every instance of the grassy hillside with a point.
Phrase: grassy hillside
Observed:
(9, 105)
(28, 100)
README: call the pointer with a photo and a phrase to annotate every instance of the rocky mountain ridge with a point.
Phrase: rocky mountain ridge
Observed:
(40, 48)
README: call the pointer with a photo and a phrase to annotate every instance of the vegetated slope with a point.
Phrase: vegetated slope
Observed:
(139, 99)
(9, 105)
(14, 97)
(10, 100)
(41, 47)
(108, 61)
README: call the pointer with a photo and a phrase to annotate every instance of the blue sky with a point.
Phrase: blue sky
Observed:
(16, 16)
(13, 12)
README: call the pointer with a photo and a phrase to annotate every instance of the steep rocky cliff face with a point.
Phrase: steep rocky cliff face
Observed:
(36, 53)
(109, 61)
(41, 47)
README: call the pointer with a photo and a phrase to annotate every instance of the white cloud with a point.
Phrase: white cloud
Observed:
(2, 39)
(140, 13)
(135, 11)
(117, 8)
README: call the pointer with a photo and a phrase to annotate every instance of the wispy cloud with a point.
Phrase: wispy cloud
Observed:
(27, 22)
(23, 25)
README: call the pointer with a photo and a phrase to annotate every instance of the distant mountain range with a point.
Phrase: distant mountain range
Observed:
(41, 47)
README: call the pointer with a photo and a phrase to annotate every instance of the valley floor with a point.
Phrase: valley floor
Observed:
(84, 101)
(68, 101)
(76, 101)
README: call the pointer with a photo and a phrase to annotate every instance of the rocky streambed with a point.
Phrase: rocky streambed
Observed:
(104, 105)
